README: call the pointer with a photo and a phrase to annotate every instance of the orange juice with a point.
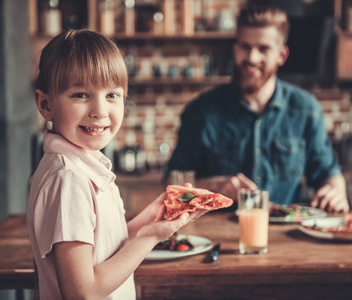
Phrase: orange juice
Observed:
(254, 227)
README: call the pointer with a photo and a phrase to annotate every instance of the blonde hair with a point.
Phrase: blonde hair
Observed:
(262, 16)
(80, 57)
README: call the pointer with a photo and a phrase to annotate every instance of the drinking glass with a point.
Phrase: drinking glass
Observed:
(179, 177)
(253, 215)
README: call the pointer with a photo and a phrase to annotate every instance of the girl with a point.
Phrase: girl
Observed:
(82, 246)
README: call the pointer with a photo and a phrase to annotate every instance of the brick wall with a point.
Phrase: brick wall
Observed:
(155, 126)
(337, 113)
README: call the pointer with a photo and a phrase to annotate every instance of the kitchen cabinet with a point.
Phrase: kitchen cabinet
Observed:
(156, 59)
(169, 61)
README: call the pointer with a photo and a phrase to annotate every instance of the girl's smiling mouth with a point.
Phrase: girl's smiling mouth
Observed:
(93, 130)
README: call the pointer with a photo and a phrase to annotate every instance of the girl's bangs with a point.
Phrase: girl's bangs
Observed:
(94, 68)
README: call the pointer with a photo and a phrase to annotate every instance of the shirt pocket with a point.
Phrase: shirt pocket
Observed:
(288, 158)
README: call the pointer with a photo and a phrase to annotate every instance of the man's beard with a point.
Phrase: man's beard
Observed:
(250, 85)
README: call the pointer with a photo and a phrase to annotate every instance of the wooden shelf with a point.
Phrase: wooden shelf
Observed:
(212, 80)
(198, 36)
(141, 36)
(183, 99)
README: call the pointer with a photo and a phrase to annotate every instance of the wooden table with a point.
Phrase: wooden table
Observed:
(296, 266)
(16, 259)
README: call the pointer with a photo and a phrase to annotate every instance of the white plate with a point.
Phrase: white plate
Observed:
(325, 223)
(200, 245)
(314, 213)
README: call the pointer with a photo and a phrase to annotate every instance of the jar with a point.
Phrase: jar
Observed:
(50, 18)
(129, 17)
(107, 17)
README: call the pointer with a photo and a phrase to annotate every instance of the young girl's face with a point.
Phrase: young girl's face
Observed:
(88, 116)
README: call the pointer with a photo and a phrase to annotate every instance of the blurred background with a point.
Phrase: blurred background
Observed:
(174, 50)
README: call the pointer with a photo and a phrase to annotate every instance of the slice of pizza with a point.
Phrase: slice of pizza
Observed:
(182, 199)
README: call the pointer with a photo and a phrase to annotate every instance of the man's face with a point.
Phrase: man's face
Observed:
(258, 52)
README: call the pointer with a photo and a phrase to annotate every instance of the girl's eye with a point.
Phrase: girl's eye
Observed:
(114, 96)
(80, 96)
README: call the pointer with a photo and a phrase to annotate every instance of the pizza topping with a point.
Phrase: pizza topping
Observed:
(182, 199)
(186, 197)
(208, 201)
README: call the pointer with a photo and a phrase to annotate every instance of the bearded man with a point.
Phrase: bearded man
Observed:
(260, 132)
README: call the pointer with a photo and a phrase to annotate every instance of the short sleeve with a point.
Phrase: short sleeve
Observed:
(65, 211)
(322, 162)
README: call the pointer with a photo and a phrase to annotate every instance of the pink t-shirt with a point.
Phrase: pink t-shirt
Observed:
(73, 197)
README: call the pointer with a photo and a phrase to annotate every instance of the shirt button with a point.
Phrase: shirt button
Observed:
(258, 151)
(257, 179)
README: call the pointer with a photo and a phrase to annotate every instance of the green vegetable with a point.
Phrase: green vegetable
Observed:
(186, 197)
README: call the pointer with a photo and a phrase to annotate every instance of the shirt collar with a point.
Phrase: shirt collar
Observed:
(277, 99)
(97, 170)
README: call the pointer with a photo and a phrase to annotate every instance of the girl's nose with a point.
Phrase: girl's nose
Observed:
(98, 109)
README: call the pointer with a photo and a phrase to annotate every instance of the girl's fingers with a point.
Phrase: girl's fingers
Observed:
(160, 213)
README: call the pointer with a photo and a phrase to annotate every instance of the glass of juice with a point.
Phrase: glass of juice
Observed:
(253, 216)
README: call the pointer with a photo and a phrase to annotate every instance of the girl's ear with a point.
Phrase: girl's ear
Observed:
(41, 99)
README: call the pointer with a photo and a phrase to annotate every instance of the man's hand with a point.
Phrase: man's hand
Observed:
(227, 185)
(332, 195)
(330, 199)
(231, 187)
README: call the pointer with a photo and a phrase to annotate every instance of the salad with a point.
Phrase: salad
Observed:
(289, 212)
(174, 244)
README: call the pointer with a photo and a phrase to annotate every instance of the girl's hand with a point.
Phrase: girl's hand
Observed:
(154, 211)
(162, 229)
(151, 221)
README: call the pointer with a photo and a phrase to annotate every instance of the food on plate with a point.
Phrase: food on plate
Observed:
(182, 199)
(344, 227)
(348, 220)
(174, 244)
(290, 212)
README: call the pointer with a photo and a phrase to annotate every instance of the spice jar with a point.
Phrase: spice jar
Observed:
(107, 17)
(50, 17)
(129, 17)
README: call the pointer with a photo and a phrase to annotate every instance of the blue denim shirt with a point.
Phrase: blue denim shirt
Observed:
(221, 135)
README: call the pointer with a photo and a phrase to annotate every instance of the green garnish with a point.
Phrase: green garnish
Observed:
(186, 197)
